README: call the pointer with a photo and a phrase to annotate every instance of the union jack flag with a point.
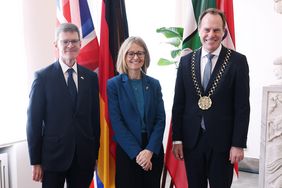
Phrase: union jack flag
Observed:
(78, 13)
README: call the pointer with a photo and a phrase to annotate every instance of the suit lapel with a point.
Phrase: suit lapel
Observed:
(217, 67)
(147, 94)
(198, 69)
(81, 80)
(60, 75)
(60, 78)
(61, 82)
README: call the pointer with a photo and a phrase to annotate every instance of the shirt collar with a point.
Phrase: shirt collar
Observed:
(65, 67)
(216, 52)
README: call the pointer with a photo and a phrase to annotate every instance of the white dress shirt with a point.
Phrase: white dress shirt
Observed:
(204, 60)
(74, 74)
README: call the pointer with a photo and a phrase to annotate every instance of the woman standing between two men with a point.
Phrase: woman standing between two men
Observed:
(137, 116)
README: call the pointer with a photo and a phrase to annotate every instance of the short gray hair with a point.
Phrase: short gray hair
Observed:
(67, 27)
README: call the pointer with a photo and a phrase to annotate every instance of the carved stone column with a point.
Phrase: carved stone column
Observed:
(270, 172)
(278, 6)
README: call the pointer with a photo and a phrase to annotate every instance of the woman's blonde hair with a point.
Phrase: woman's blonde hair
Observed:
(121, 63)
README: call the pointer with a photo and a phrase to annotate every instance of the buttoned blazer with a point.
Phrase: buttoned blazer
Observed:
(56, 131)
(227, 120)
(126, 120)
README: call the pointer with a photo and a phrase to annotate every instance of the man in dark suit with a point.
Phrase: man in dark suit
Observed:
(210, 115)
(63, 127)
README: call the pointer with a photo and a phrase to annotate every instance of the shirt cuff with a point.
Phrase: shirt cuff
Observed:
(177, 142)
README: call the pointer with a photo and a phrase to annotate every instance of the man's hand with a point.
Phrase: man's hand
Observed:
(37, 173)
(177, 150)
(236, 154)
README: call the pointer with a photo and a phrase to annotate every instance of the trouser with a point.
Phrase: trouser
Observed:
(130, 175)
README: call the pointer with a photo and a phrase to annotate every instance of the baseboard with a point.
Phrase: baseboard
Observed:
(249, 164)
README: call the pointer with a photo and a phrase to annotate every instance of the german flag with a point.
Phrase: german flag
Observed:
(114, 30)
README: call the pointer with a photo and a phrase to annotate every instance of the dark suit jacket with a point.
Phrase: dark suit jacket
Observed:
(55, 132)
(126, 120)
(228, 118)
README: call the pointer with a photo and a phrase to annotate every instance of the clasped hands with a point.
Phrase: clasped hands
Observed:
(144, 159)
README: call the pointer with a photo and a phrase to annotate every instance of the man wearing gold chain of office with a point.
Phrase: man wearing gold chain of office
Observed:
(210, 115)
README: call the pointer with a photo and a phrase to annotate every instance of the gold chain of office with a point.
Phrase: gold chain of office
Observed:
(205, 102)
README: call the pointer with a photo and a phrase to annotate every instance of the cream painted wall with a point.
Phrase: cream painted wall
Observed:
(13, 76)
(39, 31)
(258, 36)
(26, 37)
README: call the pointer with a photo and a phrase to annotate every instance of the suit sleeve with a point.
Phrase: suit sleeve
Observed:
(96, 114)
(35, 119)
(242, 105)
(178, 104)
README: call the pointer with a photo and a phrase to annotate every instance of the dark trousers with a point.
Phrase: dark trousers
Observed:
(75, 177)
(203, 165)
(130, 175)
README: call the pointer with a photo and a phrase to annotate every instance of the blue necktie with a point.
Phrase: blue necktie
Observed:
(72, 87)
(207, 71)
(206, 78)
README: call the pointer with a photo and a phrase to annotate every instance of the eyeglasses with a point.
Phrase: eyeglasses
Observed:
(131, 55)
(67, 42)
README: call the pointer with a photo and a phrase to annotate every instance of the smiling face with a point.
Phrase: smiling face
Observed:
(135, 57)
(211, 31)
(68, 45)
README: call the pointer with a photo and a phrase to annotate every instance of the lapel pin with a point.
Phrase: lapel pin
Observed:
(82, 77)
(147, 87)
